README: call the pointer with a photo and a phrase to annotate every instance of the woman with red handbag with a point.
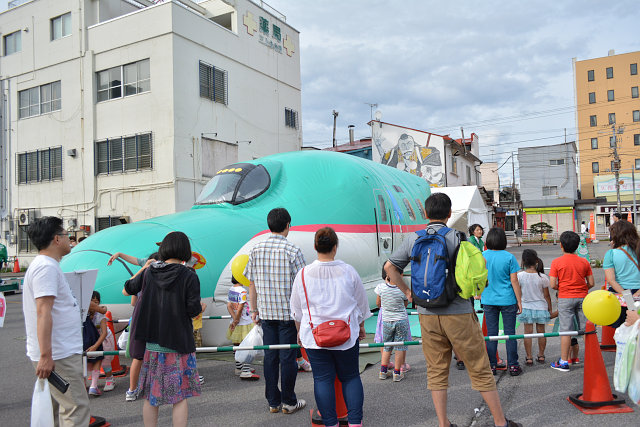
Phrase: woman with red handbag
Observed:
(329, 305)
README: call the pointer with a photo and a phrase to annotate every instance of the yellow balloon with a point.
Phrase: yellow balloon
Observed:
(237, 268)
(601, 307)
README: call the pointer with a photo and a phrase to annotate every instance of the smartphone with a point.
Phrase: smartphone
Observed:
(58, 382)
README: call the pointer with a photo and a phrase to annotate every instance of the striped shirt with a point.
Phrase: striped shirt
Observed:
(272, 267)
(392, 301)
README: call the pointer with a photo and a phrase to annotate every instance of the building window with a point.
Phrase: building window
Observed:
(610, 95)
(612, 118)
(137, 79)
(557, 162)
(109, 221)
(124, 154)
(291, 118)
(24, 243)
(595, 167)
(468, 169)
(12, 43)
(213, 83)
(39, 100)
(634, 92)
(637, 164)
(590, 75)
(612, 141)
(61, 26)
(409, 209)
(636, 115)
(636, 139)
(593, 121)
(634, 69)
(551, 190)
(40, 165)
(594, 143)
(454, 165)
(609, 72)
(592, 97)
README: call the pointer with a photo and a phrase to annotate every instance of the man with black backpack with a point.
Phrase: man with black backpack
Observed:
(447, 321)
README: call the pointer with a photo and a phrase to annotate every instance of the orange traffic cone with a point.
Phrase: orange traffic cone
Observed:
(16, 266)
(341, 406)
(117, 370)
(596, 396)
(607, 342)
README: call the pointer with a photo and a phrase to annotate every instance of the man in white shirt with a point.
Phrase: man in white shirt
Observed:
(53, 324)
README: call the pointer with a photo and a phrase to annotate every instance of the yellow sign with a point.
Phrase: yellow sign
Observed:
(563, 209)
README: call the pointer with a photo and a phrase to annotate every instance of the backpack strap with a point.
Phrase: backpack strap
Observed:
(630, 257)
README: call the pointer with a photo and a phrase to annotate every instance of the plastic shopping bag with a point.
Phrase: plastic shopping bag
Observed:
(634, 382)
(253, 338)
(626, 338)
(41, 407)
(123, 339)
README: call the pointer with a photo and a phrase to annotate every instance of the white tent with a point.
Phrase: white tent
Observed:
(467, 207)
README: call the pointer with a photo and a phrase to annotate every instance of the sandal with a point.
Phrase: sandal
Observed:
(541, 359)
(529, 361)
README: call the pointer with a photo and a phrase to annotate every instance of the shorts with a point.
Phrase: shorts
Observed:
(395, 331)
(570, 314)
(460, 332)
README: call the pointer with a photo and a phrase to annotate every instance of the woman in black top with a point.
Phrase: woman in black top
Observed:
(171, 297)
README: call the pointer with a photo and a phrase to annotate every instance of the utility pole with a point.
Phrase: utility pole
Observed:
(616, 163)
(371, 106)
(513, 190)
(633, 183)
(335, 117)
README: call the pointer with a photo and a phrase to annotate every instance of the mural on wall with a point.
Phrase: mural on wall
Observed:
(419, 153)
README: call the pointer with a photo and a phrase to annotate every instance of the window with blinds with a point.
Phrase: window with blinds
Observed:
(291, 118)
(213, 83)
(107, 221)
(40, 165)
(123, 154)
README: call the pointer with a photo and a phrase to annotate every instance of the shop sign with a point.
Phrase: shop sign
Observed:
(605, 185)
(613, 209)
(269, 33)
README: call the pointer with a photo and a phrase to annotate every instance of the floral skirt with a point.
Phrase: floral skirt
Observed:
(168, 378)
(533, 316)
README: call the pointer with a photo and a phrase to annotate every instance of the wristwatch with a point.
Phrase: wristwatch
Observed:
(253, 311)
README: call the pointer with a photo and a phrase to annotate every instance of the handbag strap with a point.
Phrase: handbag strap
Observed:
(630, 257)
(306, 298)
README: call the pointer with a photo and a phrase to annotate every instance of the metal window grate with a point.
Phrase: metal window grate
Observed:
(213, 83)
(123, 154)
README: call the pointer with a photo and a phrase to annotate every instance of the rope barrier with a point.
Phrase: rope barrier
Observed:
(228, 348)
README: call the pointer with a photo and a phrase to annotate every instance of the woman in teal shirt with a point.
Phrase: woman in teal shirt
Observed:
(621, 268)
(475, 236)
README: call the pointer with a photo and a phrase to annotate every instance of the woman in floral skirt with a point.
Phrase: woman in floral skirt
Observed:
(171, 298)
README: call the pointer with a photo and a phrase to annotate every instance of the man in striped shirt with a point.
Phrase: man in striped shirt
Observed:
(271, 269)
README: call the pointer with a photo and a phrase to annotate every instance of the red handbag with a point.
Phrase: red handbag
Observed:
(331, 333)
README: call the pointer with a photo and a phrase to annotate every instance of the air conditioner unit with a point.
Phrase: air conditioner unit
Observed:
(26, 216)
(73, 223)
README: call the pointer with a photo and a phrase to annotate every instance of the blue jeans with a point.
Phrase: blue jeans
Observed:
(280, 363)
(326, 364)
(492, 316)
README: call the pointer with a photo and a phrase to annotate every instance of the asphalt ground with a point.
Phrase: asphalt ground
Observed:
(536, 398)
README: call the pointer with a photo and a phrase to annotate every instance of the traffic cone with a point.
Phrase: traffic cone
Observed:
(341, 406)
(596, 396)
(117, 370)
(607, 343)
(16, 266)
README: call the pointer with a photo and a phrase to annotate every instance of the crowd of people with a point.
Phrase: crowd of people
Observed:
(321, 306)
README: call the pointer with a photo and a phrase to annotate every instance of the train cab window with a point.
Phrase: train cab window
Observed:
(410, 211)
(236, 184)
(383, 209)
(423, 214)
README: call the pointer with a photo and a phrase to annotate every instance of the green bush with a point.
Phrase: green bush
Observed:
(540, 228)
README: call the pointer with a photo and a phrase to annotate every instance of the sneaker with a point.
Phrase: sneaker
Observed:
(575, 361)
(303, 365)
(501, 366)
(130, 396)
(249, 376)
(405, 368)
(460, 365)
(493, 370)
(290, 409)
(94, 391)
(109, 384)
(511, 423)
(239, 371)
(515, 370)
(398, 377)
(562, 367)
(384, 375)
(275, 409)
(201, 379)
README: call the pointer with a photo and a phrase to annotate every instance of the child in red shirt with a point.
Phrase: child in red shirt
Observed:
(571, 275)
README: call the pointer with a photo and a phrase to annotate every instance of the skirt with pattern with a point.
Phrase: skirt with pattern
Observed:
(168, 378)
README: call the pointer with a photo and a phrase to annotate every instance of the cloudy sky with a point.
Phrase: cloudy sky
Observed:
(501, 69)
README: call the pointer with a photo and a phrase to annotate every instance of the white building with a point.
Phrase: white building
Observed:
(121, 110)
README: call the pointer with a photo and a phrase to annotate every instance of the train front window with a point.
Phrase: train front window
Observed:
(235, 184)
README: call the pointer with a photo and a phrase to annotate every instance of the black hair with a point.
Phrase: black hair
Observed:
(530, 259)
(155, 255)
(438, 206)
(82, 238)
(72, 238)
(569, 241)
(233, 280)
(617, 215)
(473, 227)
(325, 239)
(175, 245)
(496, 239)
(278, 219)
(384, 272)
(96, 295)
(43, 230)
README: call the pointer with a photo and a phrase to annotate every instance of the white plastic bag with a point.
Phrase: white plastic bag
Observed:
(626, 338)
(41, 407)
(253, 338)
(124, 338)
(634, 382)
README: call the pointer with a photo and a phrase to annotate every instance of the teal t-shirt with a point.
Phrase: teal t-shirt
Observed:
(3, 252)
(627, 274)
(500, 264)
